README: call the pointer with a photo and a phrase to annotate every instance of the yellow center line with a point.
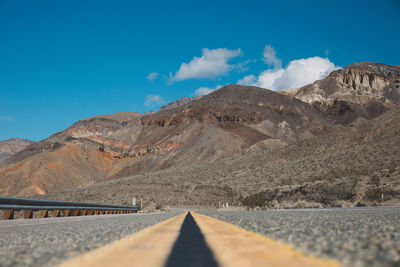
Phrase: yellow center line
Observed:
(148, 247)
(234, 246)
(231, 246)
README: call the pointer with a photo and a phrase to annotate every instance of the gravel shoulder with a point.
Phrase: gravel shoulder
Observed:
(46, 242)
(353, 237)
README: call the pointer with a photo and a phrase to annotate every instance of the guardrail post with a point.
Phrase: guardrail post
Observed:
(8, 214)
(67, 213)
(56, 213)
(83, 212)
(28, 214)
(44, 213)
(75, 212)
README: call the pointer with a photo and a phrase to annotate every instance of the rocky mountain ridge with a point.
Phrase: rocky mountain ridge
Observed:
(226, 122)
(11, 146)
(229, 122)
(359, 83)
(180, 102)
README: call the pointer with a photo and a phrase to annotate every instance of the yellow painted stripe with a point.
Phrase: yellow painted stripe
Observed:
(234, 246)
(148, 247)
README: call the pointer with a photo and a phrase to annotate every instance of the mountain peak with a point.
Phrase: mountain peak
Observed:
(360, 83)
(372, 66)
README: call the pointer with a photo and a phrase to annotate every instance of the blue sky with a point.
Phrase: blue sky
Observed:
(62, 61)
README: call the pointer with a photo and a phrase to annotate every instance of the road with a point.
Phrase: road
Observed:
(45, 242)
(353, 237)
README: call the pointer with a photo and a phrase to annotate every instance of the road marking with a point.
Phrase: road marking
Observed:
(166, 243)
(148, 247)
(234, 246)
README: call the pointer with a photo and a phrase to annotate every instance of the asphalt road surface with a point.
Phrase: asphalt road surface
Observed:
(45, 242)
(353, 237)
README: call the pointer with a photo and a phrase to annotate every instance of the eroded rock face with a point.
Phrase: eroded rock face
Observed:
(358, 83)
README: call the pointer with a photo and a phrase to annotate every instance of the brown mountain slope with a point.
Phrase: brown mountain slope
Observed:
(348, 167)
(227, 122)
(11, 146)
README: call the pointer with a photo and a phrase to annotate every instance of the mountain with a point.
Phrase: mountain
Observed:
(11, 146)
(359, 83)
(226, 122)
(234, 142)
(351, 167)
(358, 90)
(180, 102)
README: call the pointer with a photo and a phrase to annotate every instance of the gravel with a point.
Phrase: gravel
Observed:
(354, 236)
(45, 242)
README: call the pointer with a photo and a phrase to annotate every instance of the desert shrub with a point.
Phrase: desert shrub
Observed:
(255, 200)
(300, 205)
(158, 206)
(287, 181)
(375, 193)
(375, 180)
(392, 166)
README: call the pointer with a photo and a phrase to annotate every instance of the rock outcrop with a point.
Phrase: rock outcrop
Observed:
(358, 83)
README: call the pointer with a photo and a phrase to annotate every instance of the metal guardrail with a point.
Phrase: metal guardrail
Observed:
(9, 205)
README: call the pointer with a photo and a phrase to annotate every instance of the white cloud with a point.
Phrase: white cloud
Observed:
(6, 118)
(206, 90)
(152, 76)
(304, 71)
(248, 80)
(243, 66)
(211, 64)
(270, 57)
(154, 100)
(267, 78)
(297, 73)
